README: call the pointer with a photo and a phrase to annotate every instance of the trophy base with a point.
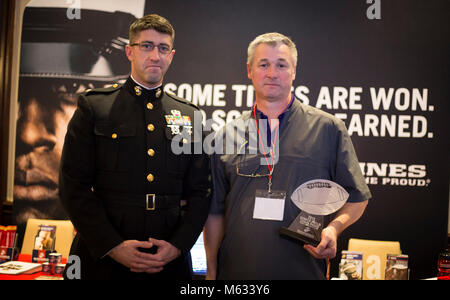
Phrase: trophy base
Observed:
(295, 235)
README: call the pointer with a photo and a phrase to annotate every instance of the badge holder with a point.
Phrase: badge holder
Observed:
(269, 205)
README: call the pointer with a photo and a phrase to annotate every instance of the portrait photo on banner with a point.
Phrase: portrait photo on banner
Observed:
(64, 52)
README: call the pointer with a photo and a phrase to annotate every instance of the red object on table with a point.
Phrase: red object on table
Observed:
(27, 258)
(444, 265)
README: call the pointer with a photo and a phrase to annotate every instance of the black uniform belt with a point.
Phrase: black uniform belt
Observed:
(147, 201)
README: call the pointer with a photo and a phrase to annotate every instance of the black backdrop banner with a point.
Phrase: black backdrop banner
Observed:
(382, 67)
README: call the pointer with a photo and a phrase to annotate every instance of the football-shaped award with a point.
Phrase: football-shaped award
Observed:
(315, 198)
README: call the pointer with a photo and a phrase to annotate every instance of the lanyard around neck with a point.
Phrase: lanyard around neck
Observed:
(272, 152)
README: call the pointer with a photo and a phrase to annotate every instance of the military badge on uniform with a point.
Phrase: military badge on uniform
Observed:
(138, 90)
(175, 120)
(158, 93)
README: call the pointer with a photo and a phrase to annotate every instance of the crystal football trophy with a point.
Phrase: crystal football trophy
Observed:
(316, 198)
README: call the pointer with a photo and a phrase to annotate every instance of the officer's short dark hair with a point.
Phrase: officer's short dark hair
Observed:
(152, 21)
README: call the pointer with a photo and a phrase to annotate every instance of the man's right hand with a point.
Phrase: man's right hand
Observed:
(128, 254)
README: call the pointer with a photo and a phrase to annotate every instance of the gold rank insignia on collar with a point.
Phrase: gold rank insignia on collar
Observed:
(138, 90)
(158, 93)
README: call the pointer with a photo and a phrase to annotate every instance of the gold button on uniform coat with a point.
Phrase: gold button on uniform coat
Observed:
(150, 177)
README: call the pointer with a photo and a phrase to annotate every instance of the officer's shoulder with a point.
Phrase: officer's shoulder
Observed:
(181, 100)
(104, 90)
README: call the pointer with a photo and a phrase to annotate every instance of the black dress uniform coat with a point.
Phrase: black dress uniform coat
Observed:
(121, 180)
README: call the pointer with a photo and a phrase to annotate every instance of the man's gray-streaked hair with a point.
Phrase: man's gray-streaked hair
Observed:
(272, 38)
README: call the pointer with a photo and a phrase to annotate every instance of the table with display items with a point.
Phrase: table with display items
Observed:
(37, 275)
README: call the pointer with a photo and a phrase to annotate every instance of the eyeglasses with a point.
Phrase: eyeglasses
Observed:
(253, 175)
(149, 46)
(239, 171)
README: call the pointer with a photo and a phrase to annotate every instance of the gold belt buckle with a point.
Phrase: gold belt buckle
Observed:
(148, 198)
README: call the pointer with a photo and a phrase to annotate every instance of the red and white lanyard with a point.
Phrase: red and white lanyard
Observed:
(272, 152)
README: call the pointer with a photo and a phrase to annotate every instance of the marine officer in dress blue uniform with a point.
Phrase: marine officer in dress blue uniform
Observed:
(120, 181)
